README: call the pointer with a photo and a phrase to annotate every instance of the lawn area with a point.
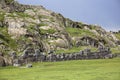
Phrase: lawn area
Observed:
(105, 69)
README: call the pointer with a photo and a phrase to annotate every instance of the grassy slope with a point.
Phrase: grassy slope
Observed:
(79, 32)
(115, 50)
(118, 35)
(76, 49)
(68, 70)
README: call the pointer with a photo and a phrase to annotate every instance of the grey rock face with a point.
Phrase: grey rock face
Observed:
(13, 54)
(85, 54)
(1, 54)
(2, 61)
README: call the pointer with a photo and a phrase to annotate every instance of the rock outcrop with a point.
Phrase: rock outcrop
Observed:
(27, 28)
(2, 61)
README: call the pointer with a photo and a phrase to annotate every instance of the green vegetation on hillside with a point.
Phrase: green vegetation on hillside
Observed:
(42, 24)
(105, 69)
(117, 35)
(43, 16)
(20, 14)
(1, 16)
(6, 38)
(75, 49)
(49, 31)
(79, 32)
(115, 50)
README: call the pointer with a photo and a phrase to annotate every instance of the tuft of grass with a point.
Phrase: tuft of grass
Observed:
(105, 69)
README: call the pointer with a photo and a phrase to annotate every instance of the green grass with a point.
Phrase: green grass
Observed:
(43, 16)
(42, 24)
(115, 50)
(75, 49)
(117, 35)
(50, 31)
(79, 32)
(1, 16)
(20, 14)
(107, 69)
(6, 38)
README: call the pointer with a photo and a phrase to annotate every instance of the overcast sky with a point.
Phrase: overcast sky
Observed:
(102, 12)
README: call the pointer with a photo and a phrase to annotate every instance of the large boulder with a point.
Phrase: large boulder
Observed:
(15, 27)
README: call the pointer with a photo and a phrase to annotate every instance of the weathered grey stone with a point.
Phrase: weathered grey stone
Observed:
(2, 62)
(8, 60)
(29, 66)
(1, 54)
(25, 54)
(13, 54)
(16, 65)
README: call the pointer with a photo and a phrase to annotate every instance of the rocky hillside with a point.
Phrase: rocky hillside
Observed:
(27, 27)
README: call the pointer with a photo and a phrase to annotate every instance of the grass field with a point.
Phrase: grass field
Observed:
(106, 69)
